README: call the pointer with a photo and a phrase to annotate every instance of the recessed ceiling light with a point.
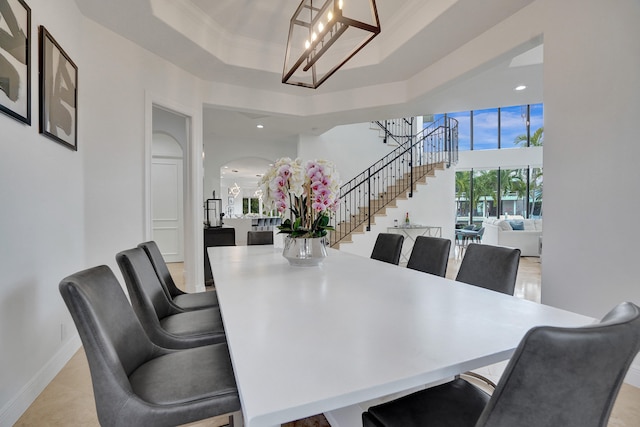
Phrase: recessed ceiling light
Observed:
(521, 87)
(260, 126)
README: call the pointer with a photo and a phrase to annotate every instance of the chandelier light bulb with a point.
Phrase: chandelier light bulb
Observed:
(340, 4)
(313, 36)
(307, 44)
(329, 16)
(320, 27)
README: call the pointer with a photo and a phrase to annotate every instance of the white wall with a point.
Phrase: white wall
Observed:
(352, 148)
(591, 155)
(63, 211)
(42, 222)
(592, 195)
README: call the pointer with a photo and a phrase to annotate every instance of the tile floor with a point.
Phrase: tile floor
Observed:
(68, 399)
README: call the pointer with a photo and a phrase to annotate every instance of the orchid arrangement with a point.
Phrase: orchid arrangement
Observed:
(309, 192)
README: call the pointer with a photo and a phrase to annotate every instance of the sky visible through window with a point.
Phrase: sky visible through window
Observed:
(485, 126)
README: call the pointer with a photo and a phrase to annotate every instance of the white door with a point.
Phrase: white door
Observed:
(167, 208)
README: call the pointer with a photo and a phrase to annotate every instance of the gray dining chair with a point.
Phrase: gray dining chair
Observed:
(388, 248)
(184, 300)
(490, 267)
(259, 238)
(166, 324)
(566, 377)
(136, 382)
(478, 237)
(430, 255)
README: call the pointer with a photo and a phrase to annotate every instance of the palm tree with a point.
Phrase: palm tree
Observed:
(463, 188)
(537, 139)
(535, 185)
(535, 189)
(484, 187)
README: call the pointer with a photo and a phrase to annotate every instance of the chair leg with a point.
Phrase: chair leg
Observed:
(235, 420)
(229, 423)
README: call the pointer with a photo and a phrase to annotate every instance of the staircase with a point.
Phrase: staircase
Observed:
(394, 177)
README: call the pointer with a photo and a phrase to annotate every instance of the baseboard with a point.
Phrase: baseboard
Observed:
(14, 409)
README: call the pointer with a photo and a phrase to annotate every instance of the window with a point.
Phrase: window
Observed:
(536, 120)
(485, 194)
(513, 192)
(250, 205)
(485, 129)
(535, 193)
(513, 126)
(506, 127)
(463, 197)
(497, 192)
(464, 129)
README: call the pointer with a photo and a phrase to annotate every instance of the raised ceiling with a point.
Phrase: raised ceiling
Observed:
(242, 43)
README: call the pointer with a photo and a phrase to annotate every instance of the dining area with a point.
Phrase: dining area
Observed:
(347, 338)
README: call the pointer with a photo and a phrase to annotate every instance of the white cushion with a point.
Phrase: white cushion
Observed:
(505, 226)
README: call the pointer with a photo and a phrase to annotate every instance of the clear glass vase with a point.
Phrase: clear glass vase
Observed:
(304, 251)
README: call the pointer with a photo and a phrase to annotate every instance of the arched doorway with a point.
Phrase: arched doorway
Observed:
(239, 186)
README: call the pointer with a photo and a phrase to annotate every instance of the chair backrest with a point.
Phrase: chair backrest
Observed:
(160, 266)
(114, 341)
(490, 267)
(566, 377)
(388, 248)
(430, 255)
(259, 237)
(148, 299)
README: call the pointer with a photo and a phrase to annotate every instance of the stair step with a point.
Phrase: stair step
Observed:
(359, 219)
(375, 207)
(356, 226)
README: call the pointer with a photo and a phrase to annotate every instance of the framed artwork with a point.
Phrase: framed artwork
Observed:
(15, 54)
(58, 93)
(230, 201)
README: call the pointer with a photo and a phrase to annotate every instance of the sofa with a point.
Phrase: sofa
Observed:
(514, 232)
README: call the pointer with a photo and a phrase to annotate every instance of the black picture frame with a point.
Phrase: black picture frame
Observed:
(58, 78)
(15, 60)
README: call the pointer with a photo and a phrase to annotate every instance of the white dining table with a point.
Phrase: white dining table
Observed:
(311, 340)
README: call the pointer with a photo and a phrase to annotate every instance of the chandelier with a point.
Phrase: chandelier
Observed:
(322, 38)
